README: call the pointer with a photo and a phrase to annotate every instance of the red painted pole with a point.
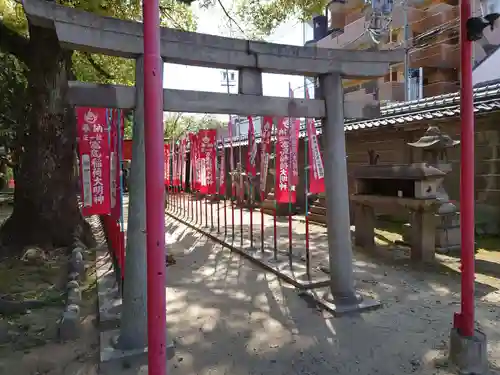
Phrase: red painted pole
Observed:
(155, 192)
(251, 222)
(232, 210)
(465, 320)
(308, 255)
(261, 222)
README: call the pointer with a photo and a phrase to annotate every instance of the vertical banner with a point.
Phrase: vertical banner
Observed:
(94, 160)
(316, 170)
(112, 126)
(166, 150)
(183, 163)
(231, 155)
(207, 155)
(175, 176)
(192, 161)
(179, 163)
(294, 129)
(116, 133)
(265, 151)
(197, 174)
(283, 186)
(222, 170)
(252, 149)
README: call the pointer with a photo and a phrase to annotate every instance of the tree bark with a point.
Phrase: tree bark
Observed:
(46, 211)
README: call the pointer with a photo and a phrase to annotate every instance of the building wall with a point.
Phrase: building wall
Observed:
(391, 146)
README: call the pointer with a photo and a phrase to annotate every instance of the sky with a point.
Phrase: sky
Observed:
(213, 21)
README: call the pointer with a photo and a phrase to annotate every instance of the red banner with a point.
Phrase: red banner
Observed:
(183, 163)
(192, 161)
(94, 160)
(316, 170)
(127, 149)
(166, 150)
(285, 189)
(231, 156)
(294, 129)
(265, 149)
(115, 162)
(207, 156)
(195, 154)
(222, 170)
(175, 176)
(252, 149)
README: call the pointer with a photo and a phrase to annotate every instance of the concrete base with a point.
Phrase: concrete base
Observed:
(469, 354)
(108, 293)
(112, 359)
(325, 301)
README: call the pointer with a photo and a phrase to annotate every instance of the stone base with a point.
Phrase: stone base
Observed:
(113, 360)
(108, 293)
(469, 354)
(325, 301)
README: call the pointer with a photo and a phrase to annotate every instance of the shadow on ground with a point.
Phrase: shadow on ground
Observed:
(229, 317)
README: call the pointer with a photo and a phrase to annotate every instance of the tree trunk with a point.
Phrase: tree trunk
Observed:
(46, 211)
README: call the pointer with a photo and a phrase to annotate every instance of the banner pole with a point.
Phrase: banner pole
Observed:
(275, 225)
(241, 184)
(306, 190)
(290, 166)
(218, 186)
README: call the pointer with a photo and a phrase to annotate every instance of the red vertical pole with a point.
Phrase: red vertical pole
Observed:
(465, 320)
(155, 193)
(261, 222)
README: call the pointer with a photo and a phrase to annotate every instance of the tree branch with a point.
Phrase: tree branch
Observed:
(97, 66)
(14, 43)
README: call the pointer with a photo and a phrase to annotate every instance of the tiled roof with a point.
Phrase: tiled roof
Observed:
(486, 98)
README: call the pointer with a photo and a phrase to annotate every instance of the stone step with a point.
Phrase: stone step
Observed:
(318, 210)
(315, 218)
(268, 211)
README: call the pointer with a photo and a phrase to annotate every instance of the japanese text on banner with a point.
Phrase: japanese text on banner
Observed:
(316, 171)
(94, 150)
(222, 170)
(285, 191)
(207, 156)
(252, 149)
(116, 132)
(183, 163)
(166, 149)
(265, 150)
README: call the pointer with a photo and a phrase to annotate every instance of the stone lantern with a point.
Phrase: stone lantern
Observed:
(434, 145)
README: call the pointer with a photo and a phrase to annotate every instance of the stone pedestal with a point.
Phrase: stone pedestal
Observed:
(317, 210)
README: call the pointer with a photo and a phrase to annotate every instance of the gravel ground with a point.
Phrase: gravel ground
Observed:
(229, 317)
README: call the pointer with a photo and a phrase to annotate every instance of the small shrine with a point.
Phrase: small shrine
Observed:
(434, 145)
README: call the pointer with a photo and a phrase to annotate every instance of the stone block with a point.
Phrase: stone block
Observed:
(69, 325)
(469, 354)
(113, 360)
(76, 264)
(74, 296)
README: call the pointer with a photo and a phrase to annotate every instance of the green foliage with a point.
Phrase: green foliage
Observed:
(263, 17)
(13, 106)
(86, 67)
(178, 124)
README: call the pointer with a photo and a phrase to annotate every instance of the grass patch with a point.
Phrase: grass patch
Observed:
(24, 280)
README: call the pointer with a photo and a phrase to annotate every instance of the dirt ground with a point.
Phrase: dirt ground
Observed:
(230, 317)
(29, 342)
